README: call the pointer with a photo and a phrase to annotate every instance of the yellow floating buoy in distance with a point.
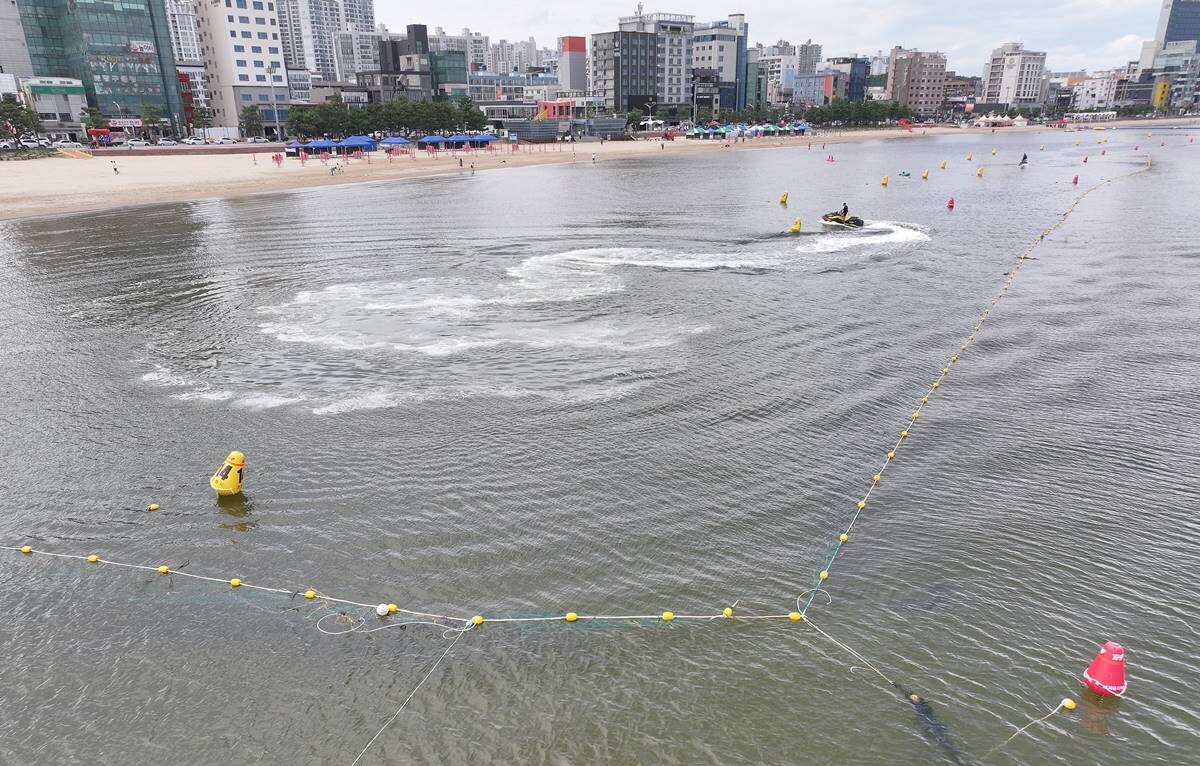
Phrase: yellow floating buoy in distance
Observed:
(783, 199)
(795, 616)
(235, 583)
(164, 569)
(477, 619)
(153, 507)
(795, 228)
(571, 616)
(310, 594)
(924, 175)
(993, 152)
(228, 478)
(824, 574)
(727, 611)
(884, 182)
(668, 616)
(843, 537)
(27, 549)
(979, 173)
(1068, 703)
(943, 165)
(1042, 148)
(970, 155)
(92, 559)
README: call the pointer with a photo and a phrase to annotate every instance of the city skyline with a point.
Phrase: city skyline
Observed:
(1076, 34)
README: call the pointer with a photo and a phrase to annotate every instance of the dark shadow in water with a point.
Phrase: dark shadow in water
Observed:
(1097, 712)
(239, 507)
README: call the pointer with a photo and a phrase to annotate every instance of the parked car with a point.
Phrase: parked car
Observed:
(257, 140)
(167, 142)
(65, 144)
(224, 140)
(193, 141)
(8, 144)
(137, 142)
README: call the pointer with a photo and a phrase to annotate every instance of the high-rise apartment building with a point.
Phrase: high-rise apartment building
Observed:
(243, 60)
(1013, 76)
(308, 29)
(572, 63)
(778, 72)
(673, 52)
(119, 49)
(14, 52)
(625, 69)
(1178, 21)
(185, 39)
(808, 56)
(917, 80)
(474, 44)
(721, 46)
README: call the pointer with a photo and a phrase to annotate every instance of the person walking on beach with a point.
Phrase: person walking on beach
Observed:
(593, 157)
(116, 172)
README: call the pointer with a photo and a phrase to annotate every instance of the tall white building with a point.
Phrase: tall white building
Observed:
(243, 60)
(185, 39)
(1013, 76)
(14, 52)
(308, 29)
(674, 32)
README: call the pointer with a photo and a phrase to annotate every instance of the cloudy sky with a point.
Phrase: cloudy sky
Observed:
(1077, 34)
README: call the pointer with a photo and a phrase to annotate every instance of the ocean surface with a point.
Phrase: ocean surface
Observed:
(613, 388)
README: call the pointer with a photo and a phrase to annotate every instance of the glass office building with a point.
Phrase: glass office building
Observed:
(1179, 21)
(120, 49)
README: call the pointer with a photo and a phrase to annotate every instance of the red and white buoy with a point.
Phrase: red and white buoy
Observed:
(1075, 180)
(950, 204)
(1106, 674)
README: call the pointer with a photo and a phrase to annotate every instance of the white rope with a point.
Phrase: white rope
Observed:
(409, 697)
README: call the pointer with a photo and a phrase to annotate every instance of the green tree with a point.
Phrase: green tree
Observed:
(202, 118)
(16, 119)
(152, 115)
(92, 118)
(634, 117)
(683, 113)
(250, 121)
(471, 117)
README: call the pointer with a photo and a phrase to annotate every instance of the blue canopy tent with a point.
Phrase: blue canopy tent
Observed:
(395, 141)
(320, 145)
(431, 140)
(459, 140)
(292, 149)
(358, 143)
(485, 137)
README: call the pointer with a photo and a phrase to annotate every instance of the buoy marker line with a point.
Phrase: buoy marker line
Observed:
(822, 574)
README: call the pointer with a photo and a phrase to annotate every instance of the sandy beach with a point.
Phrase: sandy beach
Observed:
(65, 184)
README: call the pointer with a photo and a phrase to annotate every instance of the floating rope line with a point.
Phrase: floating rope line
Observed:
(823, 573)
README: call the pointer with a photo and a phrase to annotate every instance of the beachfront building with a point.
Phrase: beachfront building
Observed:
(721, 46)
(572, 63)
(1014, 76)
(14, 51)
(916, 79)
(1097, 92)
(779, 73)
(307, 29)
(1178, 21)
(756, 81)
(511, 95)
(856, 70)
(672, 53)
(820, 88)
(404, 72)
(119, 49)
(60, 102)
(624, 69)
(243, 62)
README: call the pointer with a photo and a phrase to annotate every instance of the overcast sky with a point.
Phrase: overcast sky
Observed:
(1092, 34)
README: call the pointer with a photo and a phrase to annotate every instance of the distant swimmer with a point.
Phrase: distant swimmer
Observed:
(936, 729)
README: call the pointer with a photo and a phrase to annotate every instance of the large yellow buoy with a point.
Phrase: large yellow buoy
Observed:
(884, 181)
(783, 199)
(924, 175)
(970, 155)
(228, 478)
(943, 165)
(993, 152)
(979, 173)
(795, 229)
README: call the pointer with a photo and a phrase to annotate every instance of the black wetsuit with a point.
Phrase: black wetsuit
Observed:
(936, 729)
(845, 210)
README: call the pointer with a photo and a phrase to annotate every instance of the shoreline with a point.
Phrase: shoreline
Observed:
(36, 188)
